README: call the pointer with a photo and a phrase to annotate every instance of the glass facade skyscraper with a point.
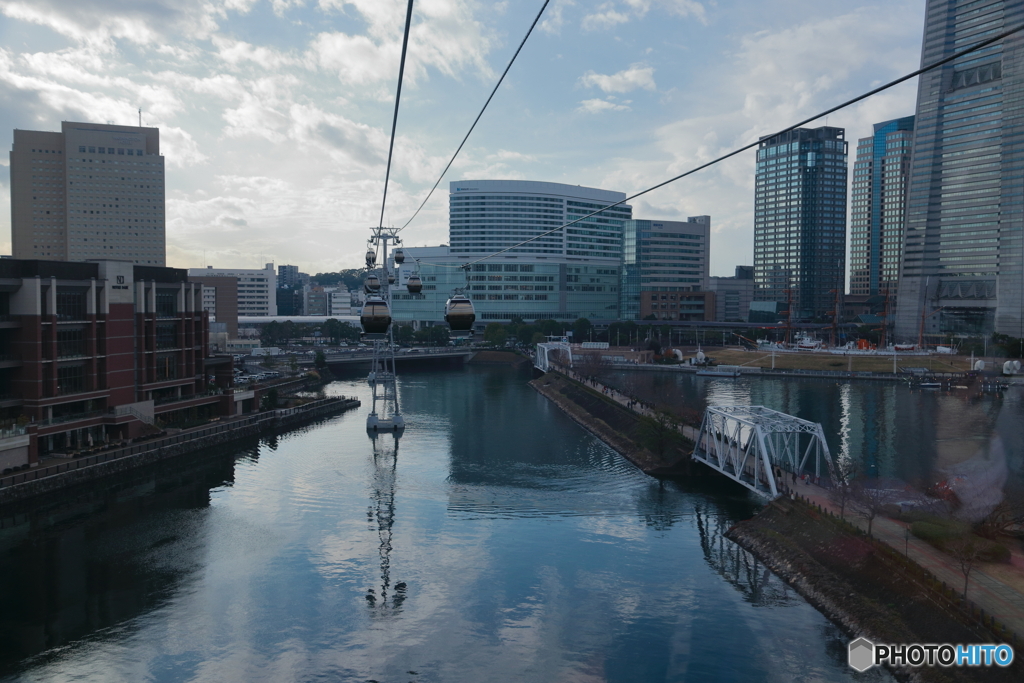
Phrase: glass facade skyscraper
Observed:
(962, 265)
(800, 219)
(877, 207)
(663, 256)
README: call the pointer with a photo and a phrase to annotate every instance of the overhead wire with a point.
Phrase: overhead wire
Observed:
(482, 110)
(847, 103)
(398, 98)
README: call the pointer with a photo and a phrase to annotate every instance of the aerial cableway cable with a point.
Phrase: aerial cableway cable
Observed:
(945, 60)
(482, 110)
(398, 98)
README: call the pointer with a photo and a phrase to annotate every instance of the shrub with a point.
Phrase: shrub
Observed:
(935, 533)
(995, 552)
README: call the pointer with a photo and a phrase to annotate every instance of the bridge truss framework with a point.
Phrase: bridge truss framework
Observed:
(753, 444)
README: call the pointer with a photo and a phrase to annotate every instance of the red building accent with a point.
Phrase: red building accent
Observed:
(100, 351)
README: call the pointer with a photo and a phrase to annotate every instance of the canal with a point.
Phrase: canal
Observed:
(495, 541)
(891, 431)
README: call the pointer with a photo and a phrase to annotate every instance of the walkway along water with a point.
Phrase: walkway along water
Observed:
(45, 479)
(992, 601)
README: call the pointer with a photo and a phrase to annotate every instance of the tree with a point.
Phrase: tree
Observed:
(269, 361)
(332, 329)
(320, 361)
(659, 434)
(868, 502)
(271, 333)
(293, 363)
(589, 364)
(581, 330)
(437, 335)
(495, 333)
(537, 338)
(287, 331)
(966, 551)
(842, 490)
(620, 333)
(404, 334)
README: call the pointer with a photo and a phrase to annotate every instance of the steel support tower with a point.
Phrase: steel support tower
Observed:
(385, 413)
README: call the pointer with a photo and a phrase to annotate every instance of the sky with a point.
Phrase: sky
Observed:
(275, 115)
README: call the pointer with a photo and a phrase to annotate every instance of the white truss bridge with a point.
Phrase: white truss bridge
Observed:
(755, 446)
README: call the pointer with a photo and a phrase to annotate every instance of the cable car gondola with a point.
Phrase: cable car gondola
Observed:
(375, 316)
(372, 284)
(399, 256)
(459, 313)
(391, 278)
(414, 285)
(371, 258)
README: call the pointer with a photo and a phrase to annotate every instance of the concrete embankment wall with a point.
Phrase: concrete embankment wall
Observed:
(488, 357)
(614, 424)
(866, 587)
(45, 480)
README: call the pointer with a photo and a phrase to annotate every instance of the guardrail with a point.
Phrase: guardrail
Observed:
(234, 424)
(14, 430)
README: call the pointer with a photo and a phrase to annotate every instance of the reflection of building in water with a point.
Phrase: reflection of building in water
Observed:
(91, 560)
(737, 566)
(384, 601)
(867, 430)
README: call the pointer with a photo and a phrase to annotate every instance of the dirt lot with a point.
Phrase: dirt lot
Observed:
(828, 361)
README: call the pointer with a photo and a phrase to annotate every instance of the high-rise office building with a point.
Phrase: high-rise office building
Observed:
(91, 191)
(487, 216)
(963, 268)
(800, 220)
(877, 201)
(663, 256)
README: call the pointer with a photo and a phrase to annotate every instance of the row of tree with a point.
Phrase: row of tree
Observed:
(282, 333)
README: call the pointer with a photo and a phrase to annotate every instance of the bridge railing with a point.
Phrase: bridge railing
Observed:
(754, 445)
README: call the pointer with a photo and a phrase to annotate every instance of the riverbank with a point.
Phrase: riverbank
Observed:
(865, 586)
(43, 480)
(619, 427)
(488, 357)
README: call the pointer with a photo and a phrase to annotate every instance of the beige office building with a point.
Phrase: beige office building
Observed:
(91, 191)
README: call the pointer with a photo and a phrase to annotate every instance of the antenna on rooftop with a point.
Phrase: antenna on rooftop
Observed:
(140, 117)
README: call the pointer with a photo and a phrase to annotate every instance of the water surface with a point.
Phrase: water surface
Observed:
(495, 541)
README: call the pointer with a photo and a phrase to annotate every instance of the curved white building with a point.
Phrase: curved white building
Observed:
(486, 216)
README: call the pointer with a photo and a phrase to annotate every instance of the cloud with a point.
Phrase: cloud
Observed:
(611, 14)
(636, 76)
(605, 18)
(444, 36)
(554, 16)
(101, 22)
(595, 106)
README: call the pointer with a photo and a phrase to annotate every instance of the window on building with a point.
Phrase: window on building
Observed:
(166, 368)
(166, 336)
(70, 305)
(70, 342)
(70, 379)
(166, 304)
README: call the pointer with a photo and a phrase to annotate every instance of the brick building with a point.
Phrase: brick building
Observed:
(99, 351)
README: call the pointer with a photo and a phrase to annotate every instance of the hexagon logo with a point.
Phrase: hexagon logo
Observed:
(862, 654)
